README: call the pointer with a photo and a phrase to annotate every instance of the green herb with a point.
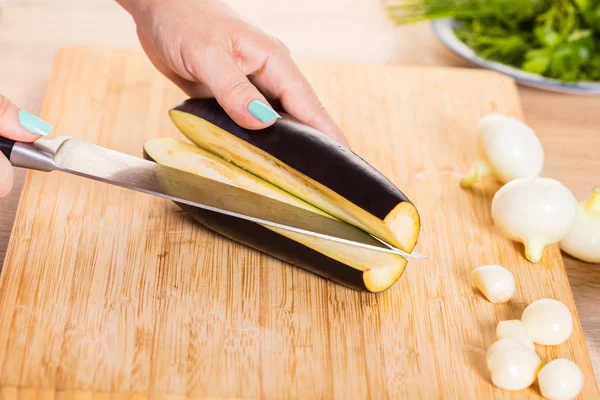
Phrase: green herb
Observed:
(559, 39)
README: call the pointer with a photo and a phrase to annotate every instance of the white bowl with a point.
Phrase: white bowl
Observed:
(444, 30)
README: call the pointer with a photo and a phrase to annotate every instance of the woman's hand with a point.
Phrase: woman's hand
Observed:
(208, 50)
(18, 125)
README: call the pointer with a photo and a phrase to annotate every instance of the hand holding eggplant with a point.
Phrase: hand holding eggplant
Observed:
(208, 50)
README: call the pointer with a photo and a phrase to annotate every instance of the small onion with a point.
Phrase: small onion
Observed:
(495, 282)
(512, 365)
(514, 329)
(583, 240)
(548, 322)
(504, 345)
(535, 212)
(560, 380)
(508, 149)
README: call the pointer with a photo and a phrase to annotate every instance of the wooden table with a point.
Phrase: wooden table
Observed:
(569, 126)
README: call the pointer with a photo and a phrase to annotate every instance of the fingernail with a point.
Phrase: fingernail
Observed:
(34, 124)
(262, 111)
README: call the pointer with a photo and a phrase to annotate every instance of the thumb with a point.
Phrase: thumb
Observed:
(20, 125)
(235, 93)
(16, 125)
(282, 79)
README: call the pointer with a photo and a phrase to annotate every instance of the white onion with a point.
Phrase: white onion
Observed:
(548, 322)
(560, 380)
(535, 212)
(583, 240)
(495, 282)
(514, 329)
(512, 365)
(508, 149)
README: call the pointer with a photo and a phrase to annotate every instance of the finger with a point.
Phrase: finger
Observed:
(281, 78)
(20, 125)
(6, 176)
(235, 93)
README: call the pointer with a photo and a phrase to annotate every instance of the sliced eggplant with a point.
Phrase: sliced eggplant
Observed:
(307, 164)
(349, 265)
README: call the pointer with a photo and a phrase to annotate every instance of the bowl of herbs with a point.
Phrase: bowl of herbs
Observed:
(548, 44)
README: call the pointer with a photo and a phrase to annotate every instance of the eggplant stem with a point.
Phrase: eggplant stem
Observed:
(477, 172)
(534, 249)
(593, 203)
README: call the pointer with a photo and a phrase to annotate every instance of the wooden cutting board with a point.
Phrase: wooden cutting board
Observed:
(107, 290)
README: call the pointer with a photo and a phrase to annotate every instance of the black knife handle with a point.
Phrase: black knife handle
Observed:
(6, 146)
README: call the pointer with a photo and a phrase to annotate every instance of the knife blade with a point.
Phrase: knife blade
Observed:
(84, 159)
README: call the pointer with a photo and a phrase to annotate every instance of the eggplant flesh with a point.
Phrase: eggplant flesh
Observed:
(307, 164)
(349, 265)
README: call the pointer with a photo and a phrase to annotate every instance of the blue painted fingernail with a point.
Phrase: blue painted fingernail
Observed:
(262, 111)
(34, 124)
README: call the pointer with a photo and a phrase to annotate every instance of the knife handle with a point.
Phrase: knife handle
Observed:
(6, 146)
(28, 155)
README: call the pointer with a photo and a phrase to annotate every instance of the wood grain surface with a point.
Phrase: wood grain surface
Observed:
(107, 290)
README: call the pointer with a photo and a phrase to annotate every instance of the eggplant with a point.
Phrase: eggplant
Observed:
(297, 164)
(352, 266)
(307, 164)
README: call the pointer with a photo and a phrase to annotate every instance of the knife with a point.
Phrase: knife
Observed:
(77, 157)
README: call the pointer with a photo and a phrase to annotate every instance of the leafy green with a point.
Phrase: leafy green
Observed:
(559, 39)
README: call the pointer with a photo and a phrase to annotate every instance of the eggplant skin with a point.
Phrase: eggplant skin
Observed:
(313, 154)
(271, 243)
